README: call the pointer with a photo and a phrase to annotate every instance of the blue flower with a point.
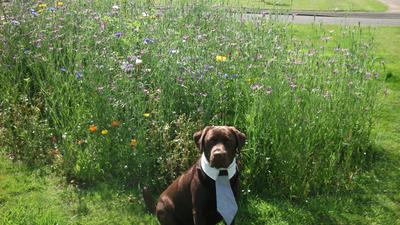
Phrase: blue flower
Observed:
(34, 12)
(52, 9)
(63, 69)
(118, 34)
(14, 22)
(79, 75)
(127, 67)
(268, 91)
(148, 40)
(230, 77)
(256, 87)
(173, 51)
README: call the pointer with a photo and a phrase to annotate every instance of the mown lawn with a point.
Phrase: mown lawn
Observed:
(39, 196)
(346, 5)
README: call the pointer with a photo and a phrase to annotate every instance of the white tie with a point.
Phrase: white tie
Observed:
(226, 204)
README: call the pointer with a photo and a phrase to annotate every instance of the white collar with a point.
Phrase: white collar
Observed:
(214, 172)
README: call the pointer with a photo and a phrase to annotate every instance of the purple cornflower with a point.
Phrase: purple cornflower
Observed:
(173, 51)
(293, 85)
(208, 67)
(127, 67)
(201, 37)
(256, 87)
(14, 22)
(180, 80)
(79, 75)
(268, 90)
(131, 58)
(118, 34)
(148, 40)
(185, 38)
(33, 12)
(230, 77)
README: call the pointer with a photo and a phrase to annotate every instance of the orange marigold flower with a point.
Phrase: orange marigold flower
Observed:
(115, 123)
(133, 143)
(104, 132)
(92, 128)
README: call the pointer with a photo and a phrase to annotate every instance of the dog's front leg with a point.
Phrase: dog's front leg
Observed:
(198, 219)
(198, 209)
(198, 203)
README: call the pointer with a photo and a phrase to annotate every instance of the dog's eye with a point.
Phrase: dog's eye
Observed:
(228, 143)
(212, 141)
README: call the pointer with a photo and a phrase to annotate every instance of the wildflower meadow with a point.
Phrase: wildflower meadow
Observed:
(112, 91)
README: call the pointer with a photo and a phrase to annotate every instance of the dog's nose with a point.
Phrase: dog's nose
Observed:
(219, 155)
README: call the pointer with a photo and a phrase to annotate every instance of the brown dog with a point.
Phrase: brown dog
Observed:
(191, 198)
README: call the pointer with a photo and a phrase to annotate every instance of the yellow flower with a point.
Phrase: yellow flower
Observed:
(42, 5)
(220, 58)
(146, 114)
(133, 143)
(59, 4)
(104, 132)
(92, 128)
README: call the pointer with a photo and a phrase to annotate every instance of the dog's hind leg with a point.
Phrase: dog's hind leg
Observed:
(165, 212)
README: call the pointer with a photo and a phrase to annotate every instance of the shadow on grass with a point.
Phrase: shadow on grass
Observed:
(38, 196)
(374, 200)
(109, 203)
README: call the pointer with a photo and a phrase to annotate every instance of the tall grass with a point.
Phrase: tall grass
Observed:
(118, 89)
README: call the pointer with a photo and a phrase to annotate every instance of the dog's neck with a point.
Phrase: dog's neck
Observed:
(214, 172)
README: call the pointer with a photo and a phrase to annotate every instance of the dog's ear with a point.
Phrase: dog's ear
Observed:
(199, 136)
(240, 138)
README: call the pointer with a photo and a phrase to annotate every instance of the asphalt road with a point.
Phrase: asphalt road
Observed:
(342, 20)
(338, 18)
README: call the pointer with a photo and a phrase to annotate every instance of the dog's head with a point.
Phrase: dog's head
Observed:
(219, 144)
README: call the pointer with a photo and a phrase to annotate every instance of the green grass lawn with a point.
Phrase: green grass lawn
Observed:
(346, 5)
(42, 197)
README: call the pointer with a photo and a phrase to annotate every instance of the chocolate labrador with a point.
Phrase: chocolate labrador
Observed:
(192, 197)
